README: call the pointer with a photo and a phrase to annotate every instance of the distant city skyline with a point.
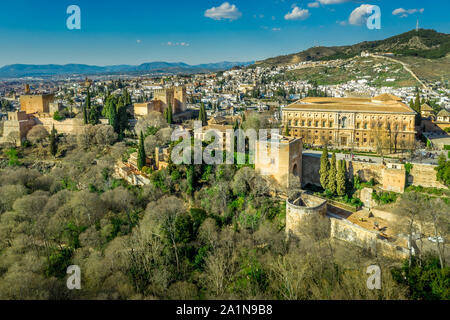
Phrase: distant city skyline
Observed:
(117, 32)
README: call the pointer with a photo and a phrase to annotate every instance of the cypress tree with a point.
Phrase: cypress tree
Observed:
(205, 116)
(85, 117)
(202, 114)
(340, 179)
(417, 102)
(324, 168)
(191, 179)
(88, 99)
(332, 175)
(169, 114)
(53, 141)
(142, 157)
(286, 130)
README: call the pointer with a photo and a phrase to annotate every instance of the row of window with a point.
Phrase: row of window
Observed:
(329, 124)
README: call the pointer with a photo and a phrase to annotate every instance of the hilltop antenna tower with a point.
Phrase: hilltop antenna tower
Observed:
(417, 25)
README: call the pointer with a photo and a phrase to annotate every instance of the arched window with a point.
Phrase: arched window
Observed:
(344, 122)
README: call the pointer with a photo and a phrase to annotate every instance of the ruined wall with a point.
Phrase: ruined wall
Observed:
(425, 176)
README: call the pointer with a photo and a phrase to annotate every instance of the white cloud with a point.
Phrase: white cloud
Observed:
(404, 13)
(313, 5)
(276, 29)
(138, 41)
(297, 14)
(325, 2)
(225, 11)
(177, 44)
(359, 15)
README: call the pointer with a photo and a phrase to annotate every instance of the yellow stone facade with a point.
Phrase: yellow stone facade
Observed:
(352, 123)
(282, 163)
(175, 96)
(36, 103)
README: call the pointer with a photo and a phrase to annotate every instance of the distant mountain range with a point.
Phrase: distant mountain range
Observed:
(422, 43)
(29, 70)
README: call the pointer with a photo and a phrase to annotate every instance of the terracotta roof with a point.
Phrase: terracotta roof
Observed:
(443, 113)
(426, 107)
(387, 97)
(351, 105)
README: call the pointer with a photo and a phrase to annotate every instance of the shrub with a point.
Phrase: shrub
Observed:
(384, 197)
(57, 116)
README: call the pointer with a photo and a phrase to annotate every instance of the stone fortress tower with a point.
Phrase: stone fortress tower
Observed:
(303, 206)
(281, 163)
(162, 98)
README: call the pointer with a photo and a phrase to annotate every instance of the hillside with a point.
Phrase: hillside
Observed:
(25, 70)
(423, 43)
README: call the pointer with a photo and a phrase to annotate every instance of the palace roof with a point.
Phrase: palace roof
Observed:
(379, 104)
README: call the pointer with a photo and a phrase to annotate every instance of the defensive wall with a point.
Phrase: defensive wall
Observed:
(393, 177)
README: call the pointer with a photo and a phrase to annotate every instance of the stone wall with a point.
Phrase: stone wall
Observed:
(425, 176)
(310, 167)
(68, 126)
(344, 230)
(391, 179)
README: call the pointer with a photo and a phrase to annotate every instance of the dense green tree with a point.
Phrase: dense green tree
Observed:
(94, 115)
(324, 168)
(443, 170)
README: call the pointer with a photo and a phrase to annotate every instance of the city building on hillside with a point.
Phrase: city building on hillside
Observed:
(352, 123)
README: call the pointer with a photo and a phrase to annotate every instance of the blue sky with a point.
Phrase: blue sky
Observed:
(197, 31)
